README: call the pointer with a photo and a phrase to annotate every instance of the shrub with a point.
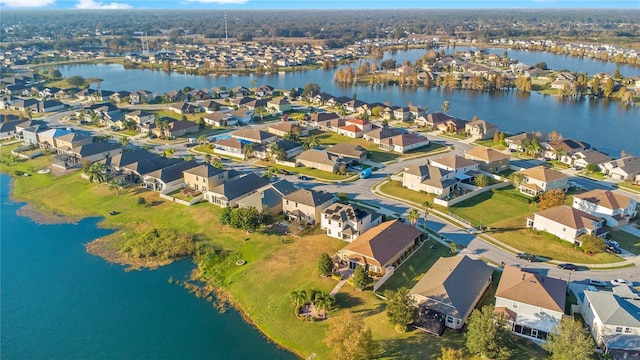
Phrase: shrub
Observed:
(141, 201)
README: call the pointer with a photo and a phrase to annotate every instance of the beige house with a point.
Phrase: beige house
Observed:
(540, 179)
(204, 177)
(452, 287)
(346, 222)
(286, 127)
(317, 159)
(567, 223)
(381, 247)
(480, 130)
(490, 160)
(614, 207)
(429, 179)
(279, 105)
(533, 304)
(306, 205)
(403, 142)
(72, 140)
(347, 153)
(254, 135)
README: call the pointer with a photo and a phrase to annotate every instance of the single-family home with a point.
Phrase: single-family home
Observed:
(184, 108)
(567, 223)
(205, 176)
(563, 149)
(306, 206)
(540, 179)
(613, 318)
(453, 286)
(463, 169)
(532, 304)
(72, 140)
(614, 207)
(94, 151)
(264, 90)
(291, 149)
(228, 194)
(317, 159)
(348, 153)
(377, 134)
(254, 136)
(403, 143)
(140, 116)
(240, 91)
(316, 118)
(519, 142)
(381, 247)
(176, 128)
(279, 105)
(490, 160)
(430, 179)
(169, 178)
(581, 159)
(287, 127)
(30, 135)
(50, 106)
(220, 119)
(8, 128)
(331, 125)
(268, 198)
(346, 222)
(480, 130)
(46, 139)
(626, 169)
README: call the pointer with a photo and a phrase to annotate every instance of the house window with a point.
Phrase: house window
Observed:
(329, 222)
(197, 178)
(564, 228)
(619, 329)
(627, 330)
(287, 202)
(328, 231)
(514, 305)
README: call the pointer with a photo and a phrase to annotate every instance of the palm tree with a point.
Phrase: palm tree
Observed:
(427, 205)
(207, 158)
(323, 302)
(413, 216)
(124, 141)
(261, 110)
(114, 185)
(278, 152)
(96, 172)
(168, 153)
(559, 153)
(202, 139)
(248, 150)
(306, 145)
(314, 141)
(299, 297)
(446, 106)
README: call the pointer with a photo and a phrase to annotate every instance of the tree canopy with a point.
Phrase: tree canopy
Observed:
(349, 338)
(570, 341)
(486, 334)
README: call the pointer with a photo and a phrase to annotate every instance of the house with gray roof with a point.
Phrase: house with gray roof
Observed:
(205, 176)
(269, 198)
(430, 179)
(306, 206)
(317, 159)
(626, 169)
(228, 194)
(453, 287)
(613, 319)
(167, 179)
(135, 164)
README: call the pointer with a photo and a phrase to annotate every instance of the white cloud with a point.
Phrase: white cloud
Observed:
(221, 2)
(29, 3)
(90, 4)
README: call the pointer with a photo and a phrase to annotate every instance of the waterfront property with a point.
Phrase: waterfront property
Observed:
(615, 208)
(169, 178)
(268, 198)
(567, 223)
(540, 179)
(480, 130)
(488, 159)
(532, 304)
(204, 177)
(403, 143)
(306, 206)
(626, 168)
(228, 194)
(346, 222)
(453, 287)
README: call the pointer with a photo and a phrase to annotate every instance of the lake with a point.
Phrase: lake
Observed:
(606, 125)
(59, 302)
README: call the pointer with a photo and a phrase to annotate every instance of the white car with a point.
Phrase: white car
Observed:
(616, 282)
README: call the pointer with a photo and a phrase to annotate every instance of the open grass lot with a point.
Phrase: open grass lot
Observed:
(395, 188)
(627, 241)
(412, 270)
(314, 173)
(488, 209)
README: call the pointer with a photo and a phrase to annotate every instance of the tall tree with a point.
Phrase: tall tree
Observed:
(360, 277)
(96, 172)
(325, 265)
(248, 150)
(552, 198)
(486, 334)
(481, 180)
(413, 216)
(114, 185)
(570, 341)
(349, 338)
(401, 308)
(323, 302)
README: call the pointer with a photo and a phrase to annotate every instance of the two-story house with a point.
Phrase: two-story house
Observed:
(430, 179)
(346, 222)
(488, 159)
(463, 169)
(480, 130)
(540, 179)
(615, 208)
(205, 176)
(614, 321)
(567, 223)
(532, 304)
(355, 128)
(306, 206)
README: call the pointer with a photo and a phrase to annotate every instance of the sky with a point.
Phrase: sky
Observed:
(319, 4)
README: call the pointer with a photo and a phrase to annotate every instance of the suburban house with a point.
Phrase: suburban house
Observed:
(316, 118)
(176, 128)
(140, 116)
(532, 304)
(94, 152)
(355, 128)
(585, 157)
(432, 120)
(347, 153)
(377, 134)
(286, 127)
(291, 149)
(8, 128)
(519, 141)
(381, 247)
(615, 208)
(540, 179)
(268, 198)
(346, 222)
(185, 108)
(331, 125)
(614, 321)
(463, 169)
(480, 130)
(133, 165)
(72, 140)
(563, 147)
(306, 206)
(453, 287)
(317, 159)
(46, 139)
(244, 116)
(229, 147)
(205, 176)
(30, 135)
(279, 105)
(167, 179)
(567, 223)
(430, 179)
(228, 194)
(403, 142)
(254, 136)
(490, 160)
(220, 119)
(626, 169)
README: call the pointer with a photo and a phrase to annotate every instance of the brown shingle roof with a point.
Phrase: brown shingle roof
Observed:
(570, 217)
(543, 173)
(605, 198)
(533, 289)
(348, 150)
(317, 156)
(454, 161)
(486, 154)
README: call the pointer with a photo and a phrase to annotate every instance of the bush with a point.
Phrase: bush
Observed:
(141, 201)
(336, 276)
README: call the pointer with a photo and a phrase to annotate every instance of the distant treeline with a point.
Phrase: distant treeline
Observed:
(335, 27)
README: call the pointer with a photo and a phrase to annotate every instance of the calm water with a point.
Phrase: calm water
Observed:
(58, 302)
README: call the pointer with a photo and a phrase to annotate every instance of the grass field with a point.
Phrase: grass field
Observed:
(627, 241)
(314, 173)
(395, 188)
(488, 209)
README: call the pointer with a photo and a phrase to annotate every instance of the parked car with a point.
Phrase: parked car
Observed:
(596, 282)
(612, 248)
(284, 172)
(303, 177)
(568, 266)
(616, 282)
(526, 256)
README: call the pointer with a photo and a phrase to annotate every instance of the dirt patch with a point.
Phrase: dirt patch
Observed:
(41, 217)
(58, 171)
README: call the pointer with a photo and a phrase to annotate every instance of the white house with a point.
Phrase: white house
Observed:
(532, 304)
(615, 208)
(567, 223)
(614, 321)
(462, 168)
(346, 222)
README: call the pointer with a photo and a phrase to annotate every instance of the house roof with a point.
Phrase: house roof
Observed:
(347, 150)
(517, 139)
(172, 172)
(568, 145)
(231, 142)
(74, 136)
(605, 198)
(486, 154)
(533, 289)
(543, 173)
(570, 217)
(383, 132)
(95, 148)
(240, 186)
(253, 135)
(286, 126)
(324, 116)
(482, 124)
(629, 164)
(204, 170)
(268, 197)
(140, 161)
(318, 156)
(452, 284)
(404, 139)
(342, 212)
(287, 145)
(279, 102)
(618, 308)
(179, 125)
(53, 133)
(438, 118)
(454, 161)
(380, 244)
(360, 122)
(309, 197)
(591, 156)
(431, 175)
(351, 128)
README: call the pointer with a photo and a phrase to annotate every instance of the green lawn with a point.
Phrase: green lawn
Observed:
(314, 173)
(627, 241)
(632, 188)
(488, 209)
(412, 270)
(395, 188)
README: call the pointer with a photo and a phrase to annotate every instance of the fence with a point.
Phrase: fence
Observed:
(451, 202)
(195, 200)
(387, 274)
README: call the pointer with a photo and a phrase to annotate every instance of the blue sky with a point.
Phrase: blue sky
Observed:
(318, 4)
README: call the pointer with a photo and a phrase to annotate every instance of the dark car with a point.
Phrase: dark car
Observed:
(568, 266)
(284, 172)
(612, 248)
(303, 177)
(526, 256)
